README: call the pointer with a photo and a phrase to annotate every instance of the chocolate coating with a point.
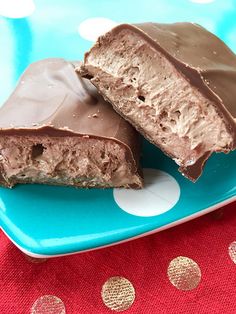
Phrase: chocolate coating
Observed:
(51, 99)
(207, 62)
(59, 104)
(197, 55)
(203, 58)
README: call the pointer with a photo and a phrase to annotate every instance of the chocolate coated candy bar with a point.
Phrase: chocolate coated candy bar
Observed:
(174, 82)
(56, 129)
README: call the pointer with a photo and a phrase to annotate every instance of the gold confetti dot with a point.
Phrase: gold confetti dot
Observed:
(118, 294)
(48, 304)
(35, 260)
(184, 273)
(232, 251)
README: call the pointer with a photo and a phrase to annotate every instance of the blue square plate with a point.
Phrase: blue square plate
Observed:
(50, 221)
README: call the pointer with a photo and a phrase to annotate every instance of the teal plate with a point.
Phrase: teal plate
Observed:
(50, 221)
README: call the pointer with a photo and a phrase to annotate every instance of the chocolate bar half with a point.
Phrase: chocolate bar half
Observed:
(174, 82)
(56, 129)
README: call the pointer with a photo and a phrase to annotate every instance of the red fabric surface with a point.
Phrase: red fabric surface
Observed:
(78, 279)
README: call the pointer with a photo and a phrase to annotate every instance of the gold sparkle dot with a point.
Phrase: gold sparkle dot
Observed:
(184, 273)
(48, 304)
(118, 294)
(232, 251)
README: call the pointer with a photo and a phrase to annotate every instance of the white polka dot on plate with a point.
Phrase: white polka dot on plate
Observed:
(92, 28)
(202, 1)
(16, 8)
(160, 193)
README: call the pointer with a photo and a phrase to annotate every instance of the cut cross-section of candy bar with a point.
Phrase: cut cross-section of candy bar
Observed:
(174, 82)
(56, 129)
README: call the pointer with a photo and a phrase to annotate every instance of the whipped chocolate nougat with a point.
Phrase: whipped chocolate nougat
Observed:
(176, 83)
(56, 129)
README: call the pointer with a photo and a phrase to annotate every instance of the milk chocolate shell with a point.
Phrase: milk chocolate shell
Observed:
(174, 82)
(56, 129)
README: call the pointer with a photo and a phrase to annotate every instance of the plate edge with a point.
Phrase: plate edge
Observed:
(170, 225)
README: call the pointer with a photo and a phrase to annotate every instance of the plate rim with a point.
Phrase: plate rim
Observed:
(167, 226)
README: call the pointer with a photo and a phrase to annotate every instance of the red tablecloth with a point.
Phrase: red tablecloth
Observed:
(78, 279)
